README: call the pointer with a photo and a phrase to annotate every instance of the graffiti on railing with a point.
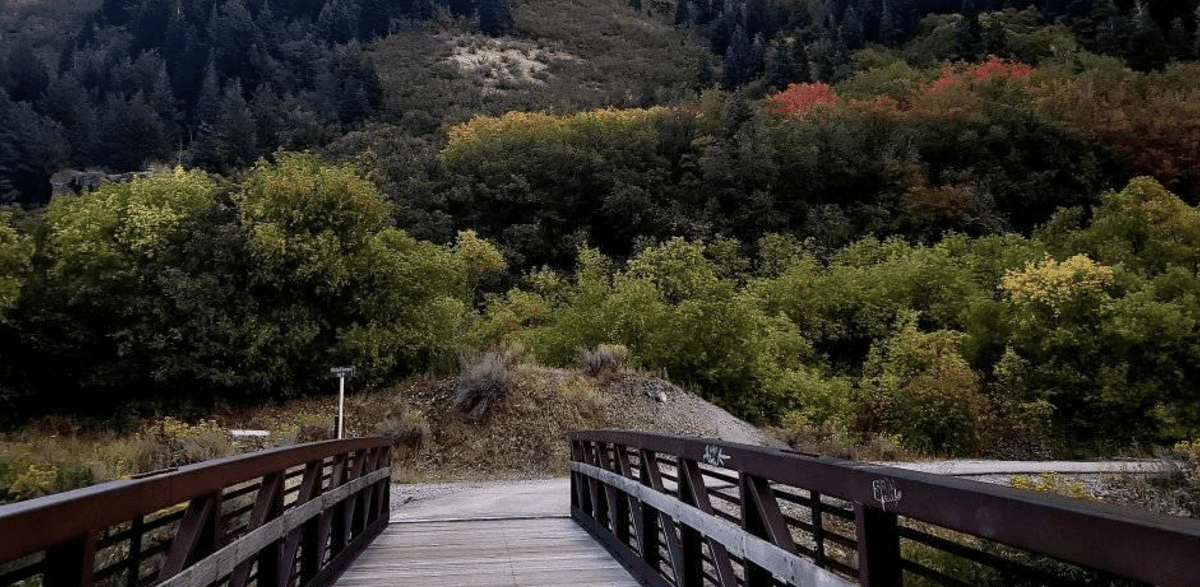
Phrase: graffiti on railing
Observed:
(715, 455)
(885, 492)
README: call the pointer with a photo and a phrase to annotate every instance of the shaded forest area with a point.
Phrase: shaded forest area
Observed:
(218, 83)
(971, 228)
(209, 83)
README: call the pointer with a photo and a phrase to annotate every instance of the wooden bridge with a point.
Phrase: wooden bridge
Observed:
(648, 509)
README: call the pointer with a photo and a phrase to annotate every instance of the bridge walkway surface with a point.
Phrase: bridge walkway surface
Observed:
(511, 534)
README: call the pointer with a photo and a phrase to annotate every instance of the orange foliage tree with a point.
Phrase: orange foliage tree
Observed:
(800, 98)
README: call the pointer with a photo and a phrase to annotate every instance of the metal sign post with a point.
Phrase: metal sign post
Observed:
(342, 373)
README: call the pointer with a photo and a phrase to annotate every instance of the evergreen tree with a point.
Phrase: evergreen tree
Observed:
(132, 133)
(271, 27)
(208, 104)
(968, 40)
(1112, 29)
(25, 76)
(683, 13)
(1196, 34)
(1147, 45)
(375, 18)
(31, 149)
(1052, 9)
(67, 103)
(739, 60)
(495, 17)
(230, 141)
(338, 21)
(890, 33)
(461, 8)
(162, 101)
(232, 33)
(1179, 44)
(269, 115)
(851, 31)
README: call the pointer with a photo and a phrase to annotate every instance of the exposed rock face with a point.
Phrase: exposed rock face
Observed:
(75, 182)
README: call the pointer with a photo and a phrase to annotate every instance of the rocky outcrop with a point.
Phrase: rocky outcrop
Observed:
(75, 182)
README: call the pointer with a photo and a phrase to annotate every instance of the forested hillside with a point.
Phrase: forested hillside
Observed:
(968, 225)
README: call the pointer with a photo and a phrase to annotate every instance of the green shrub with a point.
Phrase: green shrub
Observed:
(917, 385)
(482, 384)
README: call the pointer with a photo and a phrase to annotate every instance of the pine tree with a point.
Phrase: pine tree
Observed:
(162, 101)
(739, 60)
(66, 102)
(1178, 42)
(851, 31)
(968, 42)
(890, 33)
(683, 13)
(208, 104)
(461, 8)
(495, 17)
(1196, 34)
(31, 149)
(1112, 29)
(269, 115)
(1052, 9)
(25, 76)
(231, 140)
(1147, 45)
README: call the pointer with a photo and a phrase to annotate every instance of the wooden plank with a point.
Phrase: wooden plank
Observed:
(530, 552)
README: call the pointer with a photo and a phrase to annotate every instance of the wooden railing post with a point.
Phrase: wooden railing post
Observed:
(198, 535)
(878, 547)
(652, 476)
(599, 505)
(136, 529)
(310, 487)
(818, 531)
(333, 519)
(267, 506)
(693, 492)
(648, 528)
(624, 503)
(762, 517)
(71, 563)
(618, 517)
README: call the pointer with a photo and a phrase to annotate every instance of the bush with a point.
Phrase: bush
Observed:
(483, 383)
(917, 385)
(171, 443)
(606, 359)
(405, 427)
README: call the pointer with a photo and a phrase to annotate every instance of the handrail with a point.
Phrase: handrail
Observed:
(685, 511)
(279, 517)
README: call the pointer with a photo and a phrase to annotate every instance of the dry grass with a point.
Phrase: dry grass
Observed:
(838, 442)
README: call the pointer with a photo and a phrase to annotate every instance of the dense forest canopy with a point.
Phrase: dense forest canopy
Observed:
(971, 225)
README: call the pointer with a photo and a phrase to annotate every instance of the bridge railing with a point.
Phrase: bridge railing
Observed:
(686, 512)
(286, 517)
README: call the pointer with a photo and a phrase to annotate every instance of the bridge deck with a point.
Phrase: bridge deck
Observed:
(512, 535)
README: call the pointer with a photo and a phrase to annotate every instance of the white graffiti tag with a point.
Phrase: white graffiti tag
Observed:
(885, 492)
(715, 455)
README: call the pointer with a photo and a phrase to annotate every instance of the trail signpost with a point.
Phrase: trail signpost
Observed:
(341, 373)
